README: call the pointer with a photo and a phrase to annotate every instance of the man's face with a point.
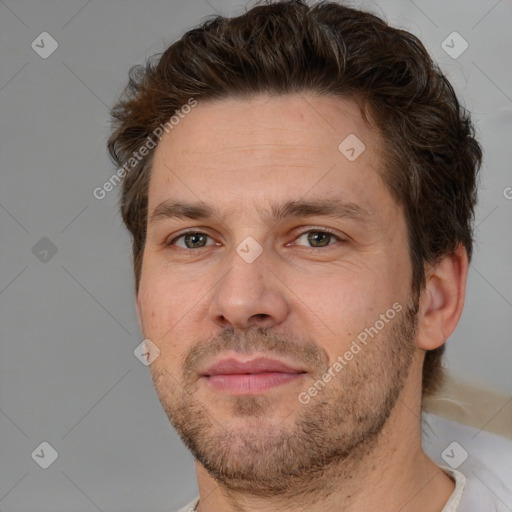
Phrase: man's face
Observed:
(246, 284)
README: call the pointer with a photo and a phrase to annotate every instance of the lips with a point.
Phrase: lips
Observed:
(250, 377)
(232, 366)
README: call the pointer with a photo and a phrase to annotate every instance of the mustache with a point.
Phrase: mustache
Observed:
(252, 341)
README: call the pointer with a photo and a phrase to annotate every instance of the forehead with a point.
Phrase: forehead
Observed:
(286, 120)
(268, 148)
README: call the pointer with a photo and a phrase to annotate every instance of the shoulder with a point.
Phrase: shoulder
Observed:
(478, 461)
(189, 507)
(484, 491)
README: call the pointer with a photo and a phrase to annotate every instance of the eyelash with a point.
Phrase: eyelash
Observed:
(316, 230)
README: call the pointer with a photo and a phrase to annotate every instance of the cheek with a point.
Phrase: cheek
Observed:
(336, 308)
(331, 309)
(164, 305)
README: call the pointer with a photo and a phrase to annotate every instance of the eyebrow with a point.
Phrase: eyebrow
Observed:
(327, 207)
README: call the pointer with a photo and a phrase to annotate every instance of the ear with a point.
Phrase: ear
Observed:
(139, 314)
(442, 299)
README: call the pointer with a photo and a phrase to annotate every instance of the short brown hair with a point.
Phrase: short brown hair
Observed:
(431, 155)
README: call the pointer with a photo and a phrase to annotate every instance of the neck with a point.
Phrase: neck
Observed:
(393, 473)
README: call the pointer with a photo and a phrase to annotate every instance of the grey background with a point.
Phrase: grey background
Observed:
(68, 375)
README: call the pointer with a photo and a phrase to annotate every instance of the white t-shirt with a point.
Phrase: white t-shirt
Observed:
(469, 495)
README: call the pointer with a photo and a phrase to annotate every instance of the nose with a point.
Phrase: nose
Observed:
(249, 295)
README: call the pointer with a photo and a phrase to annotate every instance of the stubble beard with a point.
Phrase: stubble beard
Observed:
(328, 438)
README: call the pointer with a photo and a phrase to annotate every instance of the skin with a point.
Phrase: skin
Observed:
(360, 437)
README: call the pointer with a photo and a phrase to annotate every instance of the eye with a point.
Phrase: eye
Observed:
(191, 240)
(318, 238)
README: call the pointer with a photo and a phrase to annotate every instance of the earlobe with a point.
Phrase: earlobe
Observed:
(442, 300)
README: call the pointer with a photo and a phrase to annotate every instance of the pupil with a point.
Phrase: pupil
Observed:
(313, 238)
(196, 239)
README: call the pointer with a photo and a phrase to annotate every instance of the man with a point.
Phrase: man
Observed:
(300, 184)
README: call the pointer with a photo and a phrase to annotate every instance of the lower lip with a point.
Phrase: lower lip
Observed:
(250, 384)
